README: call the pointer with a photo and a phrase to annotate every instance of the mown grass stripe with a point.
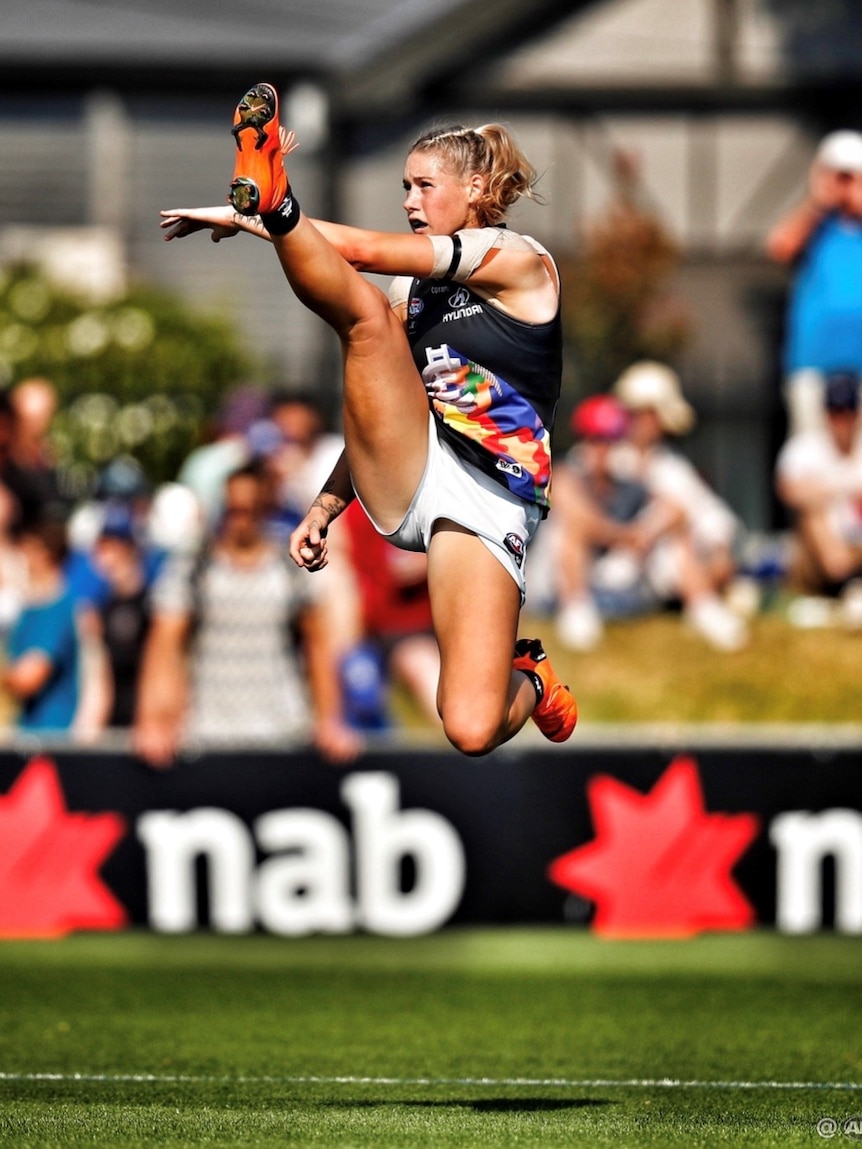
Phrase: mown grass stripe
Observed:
(514, 1082)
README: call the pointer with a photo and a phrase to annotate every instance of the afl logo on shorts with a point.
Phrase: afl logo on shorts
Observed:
(515, 545)
(415, 307)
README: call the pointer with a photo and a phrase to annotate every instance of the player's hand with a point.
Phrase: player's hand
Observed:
(307, 546)
(179, 222)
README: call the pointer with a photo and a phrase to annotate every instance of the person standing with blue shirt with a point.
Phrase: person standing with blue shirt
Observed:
(43, 649)
(822, 238)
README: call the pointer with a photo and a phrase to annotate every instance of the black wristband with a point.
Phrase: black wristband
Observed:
(284, 219)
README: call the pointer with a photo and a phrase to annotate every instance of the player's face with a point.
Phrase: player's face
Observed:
(437, 201)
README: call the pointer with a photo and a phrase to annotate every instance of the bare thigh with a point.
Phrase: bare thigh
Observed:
(385, 414)
(385, 404)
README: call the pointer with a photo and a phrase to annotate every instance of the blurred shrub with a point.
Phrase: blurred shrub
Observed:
(135, 376)
(618, 303)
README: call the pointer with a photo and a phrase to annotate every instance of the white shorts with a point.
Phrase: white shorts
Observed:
(454, 489)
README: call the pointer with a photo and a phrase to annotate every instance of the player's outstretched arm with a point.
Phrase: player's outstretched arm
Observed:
(222, 221)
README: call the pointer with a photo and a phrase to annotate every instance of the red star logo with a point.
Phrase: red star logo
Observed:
(49, 882)
(660, 865)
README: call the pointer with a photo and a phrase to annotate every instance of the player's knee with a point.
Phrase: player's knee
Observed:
(472, 732)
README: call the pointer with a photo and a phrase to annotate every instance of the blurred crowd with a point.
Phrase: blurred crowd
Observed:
(174, 614)
(635, 528)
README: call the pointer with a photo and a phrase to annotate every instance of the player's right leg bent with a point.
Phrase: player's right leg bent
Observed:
(475, 604)
(556, 712)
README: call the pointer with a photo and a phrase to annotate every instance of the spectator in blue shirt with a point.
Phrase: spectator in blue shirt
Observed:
(822, 239)
(43, 648)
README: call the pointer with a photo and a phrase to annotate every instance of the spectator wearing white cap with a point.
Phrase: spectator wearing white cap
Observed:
(694, 562)
(822, 238)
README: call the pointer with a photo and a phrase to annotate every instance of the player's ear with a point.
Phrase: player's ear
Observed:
(475, 187)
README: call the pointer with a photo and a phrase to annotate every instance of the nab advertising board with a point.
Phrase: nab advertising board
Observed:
(630, 842)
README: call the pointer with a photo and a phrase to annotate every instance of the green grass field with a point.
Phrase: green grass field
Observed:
(465, 1038)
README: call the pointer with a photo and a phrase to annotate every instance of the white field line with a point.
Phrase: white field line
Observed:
(482, 1082)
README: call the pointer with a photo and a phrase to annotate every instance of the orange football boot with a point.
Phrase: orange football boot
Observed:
(259, 180)
(556, 713)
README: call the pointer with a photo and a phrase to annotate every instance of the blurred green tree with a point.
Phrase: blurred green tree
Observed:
(136, 375)
(618, 300)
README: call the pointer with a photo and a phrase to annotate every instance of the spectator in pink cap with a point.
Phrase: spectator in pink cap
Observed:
(603, 529)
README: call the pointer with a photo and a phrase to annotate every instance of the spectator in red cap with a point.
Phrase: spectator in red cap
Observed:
(603, 528)
(822, 238)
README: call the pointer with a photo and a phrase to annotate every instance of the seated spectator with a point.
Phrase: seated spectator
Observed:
(235, 635)
(819, 479)
(604, 527)
(120, 617)
(30, 471)
(13, 568)
(299, 459)
(44, 648)
(122, 495)
(13, 586)
(206, 468)
(696, 563)
(303, 454)
(35, 403)
(394, 640)
(175, 521)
